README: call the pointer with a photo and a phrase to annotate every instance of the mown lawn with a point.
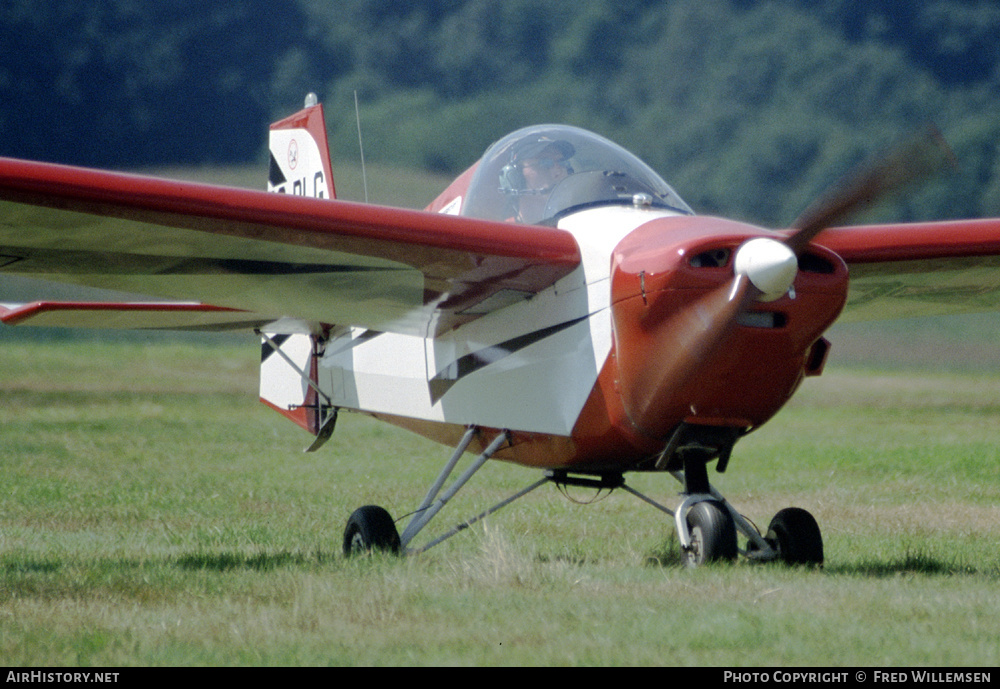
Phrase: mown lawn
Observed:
(153, 513)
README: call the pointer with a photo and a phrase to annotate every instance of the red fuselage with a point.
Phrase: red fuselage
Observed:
(661, 275)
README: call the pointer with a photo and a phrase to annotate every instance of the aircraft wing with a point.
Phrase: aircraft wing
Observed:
(919, 269)
(274, 256)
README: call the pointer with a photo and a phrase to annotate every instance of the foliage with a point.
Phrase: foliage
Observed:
(749, 107)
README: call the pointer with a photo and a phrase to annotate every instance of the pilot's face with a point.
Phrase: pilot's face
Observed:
(545, 171)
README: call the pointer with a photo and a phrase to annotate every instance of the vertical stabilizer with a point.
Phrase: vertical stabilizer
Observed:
(300, 155)
(300, 165)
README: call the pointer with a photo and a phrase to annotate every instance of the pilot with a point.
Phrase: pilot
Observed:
(537, 164)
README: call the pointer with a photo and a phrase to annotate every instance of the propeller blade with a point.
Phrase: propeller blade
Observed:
(680, 346)
(912, 161)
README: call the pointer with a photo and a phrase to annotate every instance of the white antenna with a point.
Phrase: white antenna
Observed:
(361, 145)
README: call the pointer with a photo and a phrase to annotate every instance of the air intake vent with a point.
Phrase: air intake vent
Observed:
(811, 263)
(762, 319)
(716, 258)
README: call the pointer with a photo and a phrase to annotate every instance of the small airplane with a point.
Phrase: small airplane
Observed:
(558, 306)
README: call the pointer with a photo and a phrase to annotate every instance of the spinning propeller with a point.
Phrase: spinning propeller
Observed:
(764, 269)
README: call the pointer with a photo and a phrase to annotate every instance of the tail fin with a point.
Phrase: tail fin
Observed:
(300, 154)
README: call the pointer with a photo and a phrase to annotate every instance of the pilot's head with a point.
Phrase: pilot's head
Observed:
(537, 163)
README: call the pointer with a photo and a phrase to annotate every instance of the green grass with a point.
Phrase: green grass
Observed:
(153, 513)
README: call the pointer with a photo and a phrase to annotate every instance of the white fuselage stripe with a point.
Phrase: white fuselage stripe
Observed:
(545, 352)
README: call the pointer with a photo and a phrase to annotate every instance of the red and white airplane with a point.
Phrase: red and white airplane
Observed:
(558, 306)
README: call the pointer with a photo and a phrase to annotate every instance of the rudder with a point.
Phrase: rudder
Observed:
(300, 154)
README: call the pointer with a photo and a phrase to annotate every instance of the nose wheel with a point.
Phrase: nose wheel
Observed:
(712, 534)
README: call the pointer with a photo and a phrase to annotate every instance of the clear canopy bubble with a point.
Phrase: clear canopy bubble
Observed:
(541, 173)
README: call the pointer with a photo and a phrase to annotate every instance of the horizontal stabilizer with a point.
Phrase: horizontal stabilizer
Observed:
(129, 315)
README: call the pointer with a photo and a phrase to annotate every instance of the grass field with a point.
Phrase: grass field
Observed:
(153, 513)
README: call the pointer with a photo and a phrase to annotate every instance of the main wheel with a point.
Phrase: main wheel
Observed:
(713, 534)
(795, 534)
(368, 529)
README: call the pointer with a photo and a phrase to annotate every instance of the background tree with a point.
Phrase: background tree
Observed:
(748, 107)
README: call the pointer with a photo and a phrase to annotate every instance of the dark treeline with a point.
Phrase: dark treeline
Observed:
(748, 108)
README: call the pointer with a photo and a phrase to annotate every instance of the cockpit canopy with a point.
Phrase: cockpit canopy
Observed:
(539, 174)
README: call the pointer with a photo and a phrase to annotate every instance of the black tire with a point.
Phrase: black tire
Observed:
(370, 528)
(713, 534)
(795, 534)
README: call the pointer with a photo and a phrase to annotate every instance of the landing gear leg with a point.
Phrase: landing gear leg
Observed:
(707, 527)
(705, 521)
(371, 527)
(707, 524)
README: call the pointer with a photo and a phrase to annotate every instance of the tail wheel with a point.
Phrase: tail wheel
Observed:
(713, 534)
(370, 528)
(795, 535)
